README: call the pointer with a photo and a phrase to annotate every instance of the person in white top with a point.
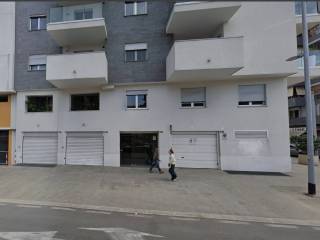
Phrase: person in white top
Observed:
(172, 164)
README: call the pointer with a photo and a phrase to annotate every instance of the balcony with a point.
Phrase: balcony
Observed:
(205, 59)
(296, 101)
(80, 25)
(300, 122)
(313, 15)
(199, 18)
(79, 70)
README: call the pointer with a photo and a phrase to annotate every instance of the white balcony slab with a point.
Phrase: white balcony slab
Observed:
(205, 59)
(312, 19)
(79, 33)
(200, 18)
(79, 70)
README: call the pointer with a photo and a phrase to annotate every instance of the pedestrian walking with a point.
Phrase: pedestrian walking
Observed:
(172, 164)
(155, 161)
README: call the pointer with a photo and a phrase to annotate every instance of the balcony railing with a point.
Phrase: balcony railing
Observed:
(296, 101)
(314, 59)
(300, 122)
(75, 13)
(312, 7)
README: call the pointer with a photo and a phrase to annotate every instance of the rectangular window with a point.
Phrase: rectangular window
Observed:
(37, 63)
(132, 8)
(136, 52)
(81, 14)
(3, 98)
(39, 104)
(252, 95)
(38, 23)
(193, 97)
(137, 99)
(85, 102)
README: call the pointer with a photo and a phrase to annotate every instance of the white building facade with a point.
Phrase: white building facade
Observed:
(222, 103)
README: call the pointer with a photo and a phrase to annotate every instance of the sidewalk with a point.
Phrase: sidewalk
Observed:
(203, 191)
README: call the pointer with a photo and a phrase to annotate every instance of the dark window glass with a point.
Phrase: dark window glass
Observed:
(78, 15)
(39, 104)
(186, 104)
(142, 101)
(43, 23)
(88, 13)
(33, 24)
(129, 8)
(141, 8)
(85, 102)
(3, 98)
(141, 55)
(131, 101)
(198, 104)
(258, 103)
(130, 55)
(42, 67)
(244, 103)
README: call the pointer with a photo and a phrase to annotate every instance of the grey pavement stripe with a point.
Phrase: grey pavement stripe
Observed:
(282, 226)
(233, 222)
(300, 222)
(28, 206)
(98, 212)
(139, 216)
(184, 219)
(316, 228)
(63, 208)
(3, 204)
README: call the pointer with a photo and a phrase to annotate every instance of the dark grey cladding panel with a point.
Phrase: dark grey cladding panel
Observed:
(122, 30)
(31, 43)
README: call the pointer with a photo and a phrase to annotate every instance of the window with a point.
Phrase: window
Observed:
(39, 104)
(252, 95)
(85, 102)
(137, 99)
(136, 52)
(38, 23)
(3, 98)
(37, 63)
(81, 14)
(193, 97)
(132, 8)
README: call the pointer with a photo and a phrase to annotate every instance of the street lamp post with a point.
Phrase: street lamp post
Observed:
(308, 97)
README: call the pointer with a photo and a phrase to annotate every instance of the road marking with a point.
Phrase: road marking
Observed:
(233, 222)
(184, 219)
(28, 206)
(98, 212)
(282, 226)
(139, 216)
(123, 233)
(63, 208)
(316, 228)
(29, 235)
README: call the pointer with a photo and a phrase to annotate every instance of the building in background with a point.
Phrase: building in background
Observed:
(108, 83)
(7, 39)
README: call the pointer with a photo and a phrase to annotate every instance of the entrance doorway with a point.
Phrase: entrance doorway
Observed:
(4, 142)
(137, 149)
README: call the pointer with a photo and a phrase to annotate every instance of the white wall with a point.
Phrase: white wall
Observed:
(7, 40)
(222, 113)
(269, 31)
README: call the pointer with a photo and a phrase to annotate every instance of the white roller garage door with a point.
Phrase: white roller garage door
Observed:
(196, 151)
(40, 148)
(84, 148)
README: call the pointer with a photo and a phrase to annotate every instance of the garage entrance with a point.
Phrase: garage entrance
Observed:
(137, 149)
(196, 150)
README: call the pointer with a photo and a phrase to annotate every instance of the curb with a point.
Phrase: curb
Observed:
(286, 221)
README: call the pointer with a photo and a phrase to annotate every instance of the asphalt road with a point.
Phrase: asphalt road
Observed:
(27, 222)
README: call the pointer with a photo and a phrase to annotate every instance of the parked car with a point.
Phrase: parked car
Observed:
(294, 152)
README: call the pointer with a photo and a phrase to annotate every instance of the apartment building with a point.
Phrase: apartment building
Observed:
(296, 93)
(110, 82)
(7, 19)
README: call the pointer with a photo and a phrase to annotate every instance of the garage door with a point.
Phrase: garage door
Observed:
(40, 148)
(85, 148)
(196, 151)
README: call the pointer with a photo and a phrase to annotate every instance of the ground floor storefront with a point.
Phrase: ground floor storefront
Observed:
(132, 125)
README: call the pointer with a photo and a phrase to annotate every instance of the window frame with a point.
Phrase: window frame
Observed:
(192, 103)
(84, 94)
(252, 103)
(38, 17)
(136, 96)
(135, 8)
(47, 96)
